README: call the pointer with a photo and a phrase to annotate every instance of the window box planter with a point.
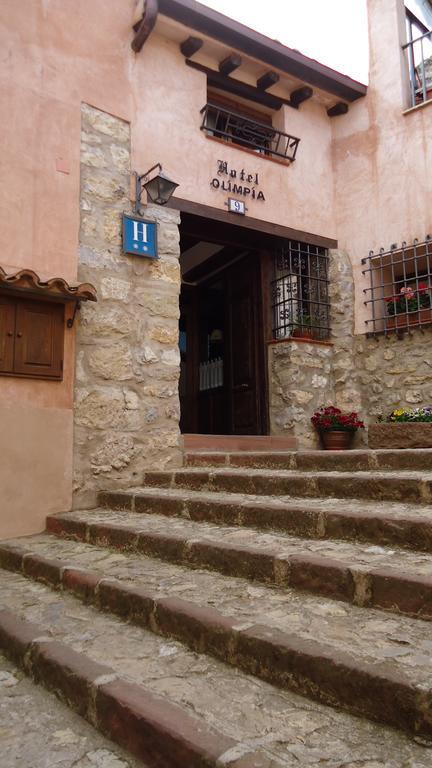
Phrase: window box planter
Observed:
(400, 435)
(409, 319)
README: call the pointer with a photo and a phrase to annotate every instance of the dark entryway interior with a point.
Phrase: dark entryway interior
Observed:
(223, 386)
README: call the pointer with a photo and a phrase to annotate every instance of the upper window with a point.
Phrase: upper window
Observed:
(399, 295)
(31, 338)
(300, 299)
(419, 49)
(251, 130)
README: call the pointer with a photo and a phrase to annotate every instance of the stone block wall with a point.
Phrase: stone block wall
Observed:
(394, 371)
(304, 376)
(126, 391)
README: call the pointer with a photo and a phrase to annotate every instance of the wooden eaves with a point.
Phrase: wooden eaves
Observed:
(199, 18)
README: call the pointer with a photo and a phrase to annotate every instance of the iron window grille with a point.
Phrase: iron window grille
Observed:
(399, 296)
(300, 300)
(419, 56)
(247, 132)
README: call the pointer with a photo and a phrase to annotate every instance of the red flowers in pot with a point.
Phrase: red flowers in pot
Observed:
(335, 427)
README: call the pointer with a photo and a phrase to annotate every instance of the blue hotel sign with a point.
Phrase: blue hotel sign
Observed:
(139, 237)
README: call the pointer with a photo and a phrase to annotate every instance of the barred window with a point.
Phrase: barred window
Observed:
(418, 50)
(399, 296)
(300, 301)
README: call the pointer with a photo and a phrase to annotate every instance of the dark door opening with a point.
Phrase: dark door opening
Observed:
(223, 383)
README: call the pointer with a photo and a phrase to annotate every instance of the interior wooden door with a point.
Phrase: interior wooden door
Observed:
(246, 350)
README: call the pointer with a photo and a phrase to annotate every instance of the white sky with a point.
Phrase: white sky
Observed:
(332, 31)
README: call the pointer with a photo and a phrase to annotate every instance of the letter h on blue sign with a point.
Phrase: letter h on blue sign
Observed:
(139, 237)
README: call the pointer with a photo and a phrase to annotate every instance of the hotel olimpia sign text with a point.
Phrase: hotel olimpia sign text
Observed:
(237, 182)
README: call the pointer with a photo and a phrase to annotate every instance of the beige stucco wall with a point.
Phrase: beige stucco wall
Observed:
(382, 158)
(56, 56)
(36, 467)
(298, 196)
(362, 178)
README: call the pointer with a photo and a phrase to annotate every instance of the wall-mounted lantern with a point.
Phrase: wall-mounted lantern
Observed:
(159, 187)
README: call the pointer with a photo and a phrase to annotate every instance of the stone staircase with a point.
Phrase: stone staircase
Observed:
(251, 610)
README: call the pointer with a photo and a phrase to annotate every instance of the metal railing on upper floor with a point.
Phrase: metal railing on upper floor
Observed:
(419, 57)
(246, 132)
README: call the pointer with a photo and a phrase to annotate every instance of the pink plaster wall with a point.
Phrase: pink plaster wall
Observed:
(362, 178)
(382, 158)
(168, 97)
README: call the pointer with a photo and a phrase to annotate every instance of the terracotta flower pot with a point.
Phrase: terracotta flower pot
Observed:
(337, 440)
(302, 333)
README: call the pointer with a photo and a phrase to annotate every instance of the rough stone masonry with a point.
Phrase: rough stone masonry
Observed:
(126, 391)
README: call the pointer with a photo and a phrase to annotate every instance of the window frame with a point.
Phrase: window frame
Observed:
(300, 292)
(400, 288)
(18, 333)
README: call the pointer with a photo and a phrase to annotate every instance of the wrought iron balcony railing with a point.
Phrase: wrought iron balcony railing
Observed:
(246, 132)
(419, 52)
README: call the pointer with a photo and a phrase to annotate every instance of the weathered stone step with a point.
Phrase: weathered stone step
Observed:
(364, 673)
(414, 487)
(339, 461)
(38, 731)
(268, 727)
(150, 726)
(263, 443)
(384, 523)
(390, 579)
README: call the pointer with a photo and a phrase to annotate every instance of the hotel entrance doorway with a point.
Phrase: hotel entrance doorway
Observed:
(223, 382)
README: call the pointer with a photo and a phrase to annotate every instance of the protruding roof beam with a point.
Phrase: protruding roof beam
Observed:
(230, 63)
(237, 88)
(300, 95)
(267, 80)
(143, 28)
(190, 46)
(338, 109)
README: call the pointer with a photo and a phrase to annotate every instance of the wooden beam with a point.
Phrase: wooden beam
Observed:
(145, 26)
(338, 109)
(244, 223)
(206, 21)
(267, 80)
(190, 46)
(238, 88)
(229, 64)
(300, 95)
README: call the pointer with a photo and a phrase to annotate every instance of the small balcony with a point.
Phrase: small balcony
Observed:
(246, 132)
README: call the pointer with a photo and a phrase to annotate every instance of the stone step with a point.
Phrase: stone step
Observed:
(194, 442)
(269, 728)
(391, 579)
(402, 486)
(373, 667)
(383, 523)
(339, 461)
(137, 716)
(38, 731)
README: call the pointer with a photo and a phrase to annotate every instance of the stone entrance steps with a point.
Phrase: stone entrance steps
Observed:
(382, 523)
(224, 443)
(390, 579)
(236, 606)
(158, 699)
(410, 459)
(374, 485)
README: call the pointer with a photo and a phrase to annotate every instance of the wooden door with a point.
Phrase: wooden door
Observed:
(246, 347)
(39, 339)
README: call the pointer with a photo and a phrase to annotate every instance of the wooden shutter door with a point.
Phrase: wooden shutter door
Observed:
(7, 333)
(39, 339)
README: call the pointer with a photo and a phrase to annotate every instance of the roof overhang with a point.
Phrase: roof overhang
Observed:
(213, 24)
(29, 282)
